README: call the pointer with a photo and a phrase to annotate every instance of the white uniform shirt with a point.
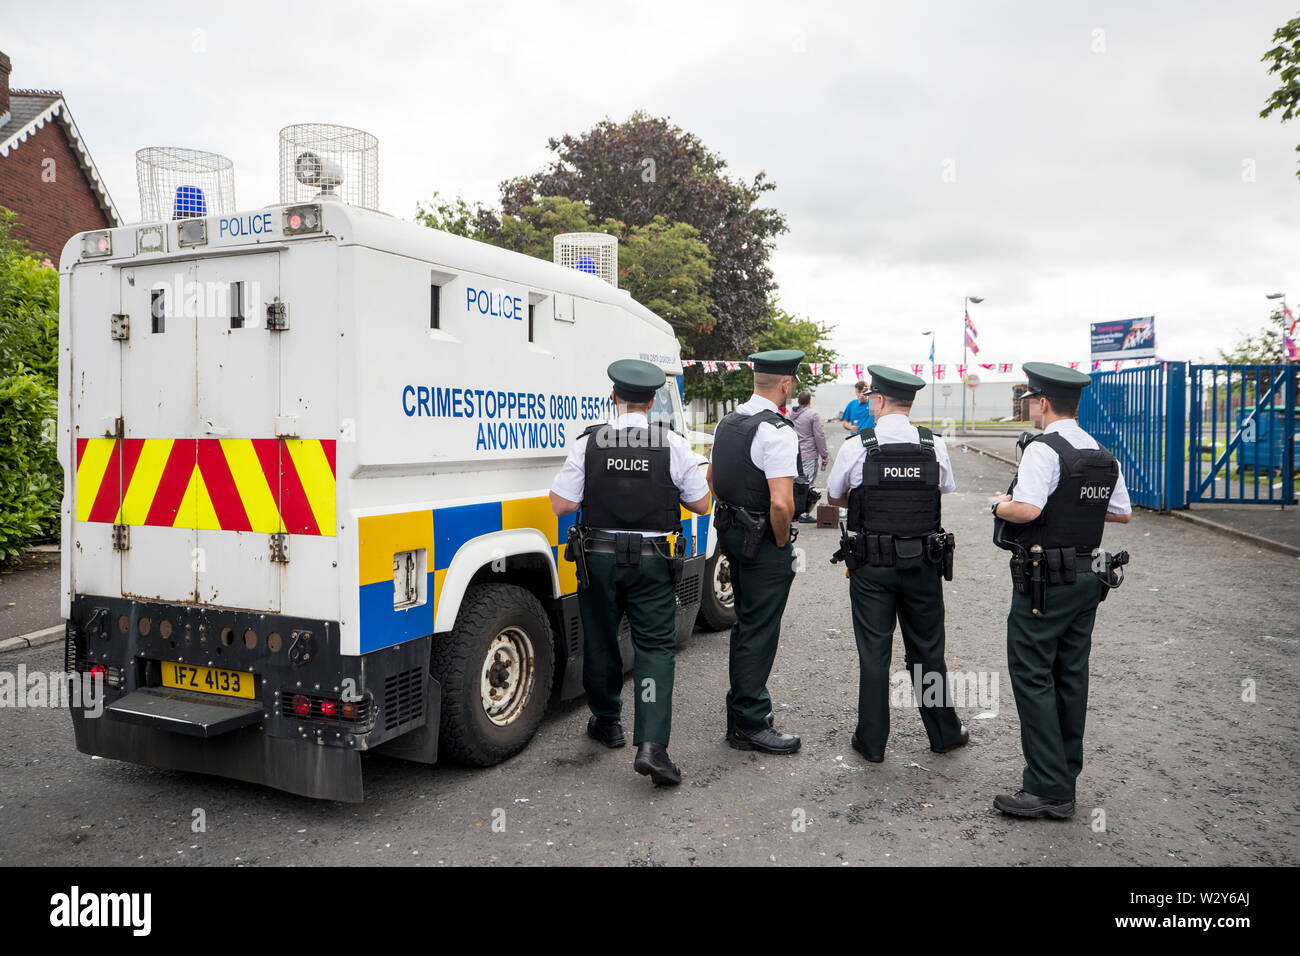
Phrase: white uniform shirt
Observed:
(846, 473)
(774, 451)
(1040, 469)
(685, 471)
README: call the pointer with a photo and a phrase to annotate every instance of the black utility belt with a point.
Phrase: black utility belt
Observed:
(1060, 565)
(629, 546)
(616, 542)
(892, 551)
(1033, 570)
(755, 527)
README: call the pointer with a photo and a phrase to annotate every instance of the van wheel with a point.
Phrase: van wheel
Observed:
(496, 668)
(718, 600)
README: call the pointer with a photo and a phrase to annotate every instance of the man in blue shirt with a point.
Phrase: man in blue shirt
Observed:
(857, 413)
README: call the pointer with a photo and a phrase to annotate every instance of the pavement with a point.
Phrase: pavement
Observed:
(29, 597)
(1191, 754)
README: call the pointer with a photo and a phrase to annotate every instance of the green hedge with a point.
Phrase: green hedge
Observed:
(31, 481)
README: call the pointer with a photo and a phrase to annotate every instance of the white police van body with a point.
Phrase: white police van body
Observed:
(307, 453)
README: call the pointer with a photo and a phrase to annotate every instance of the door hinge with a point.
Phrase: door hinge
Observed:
(280, 548)
(119, 427)
(277, 315)
(119, 326)
(121, 537)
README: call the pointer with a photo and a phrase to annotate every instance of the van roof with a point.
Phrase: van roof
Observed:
(386, 233)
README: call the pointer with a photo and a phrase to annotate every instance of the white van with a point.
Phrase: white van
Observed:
(306, 453)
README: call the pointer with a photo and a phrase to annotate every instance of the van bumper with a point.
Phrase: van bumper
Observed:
(292, 661)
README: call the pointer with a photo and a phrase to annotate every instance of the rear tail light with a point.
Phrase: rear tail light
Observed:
(97, 244)
(302, 219)
(111, 676)
(357, 713)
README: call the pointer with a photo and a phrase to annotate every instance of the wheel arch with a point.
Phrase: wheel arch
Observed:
(527, 560)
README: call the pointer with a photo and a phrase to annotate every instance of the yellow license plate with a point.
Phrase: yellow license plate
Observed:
(207, 680)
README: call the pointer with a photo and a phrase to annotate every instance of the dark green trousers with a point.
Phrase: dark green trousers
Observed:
(647, 596)
(761, 585)
(915, 598)
(1048, 660)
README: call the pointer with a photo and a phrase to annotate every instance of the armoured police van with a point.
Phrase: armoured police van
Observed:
(307, 450)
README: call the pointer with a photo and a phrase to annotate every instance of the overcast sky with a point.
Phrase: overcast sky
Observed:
(1071, 164)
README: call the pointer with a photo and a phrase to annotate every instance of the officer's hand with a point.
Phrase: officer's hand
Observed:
(1004, 497)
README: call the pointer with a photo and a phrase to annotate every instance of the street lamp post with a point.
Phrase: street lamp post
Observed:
(965, 310)
(932, 341)
(1286, 359)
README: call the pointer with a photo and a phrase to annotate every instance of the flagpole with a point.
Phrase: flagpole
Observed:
(933, 338)
(1286, 360)
(965, 311)
(965, 333)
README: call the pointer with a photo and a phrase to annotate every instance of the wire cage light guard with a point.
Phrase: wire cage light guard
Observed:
(180, 183)
(322, 161)
(592, 252)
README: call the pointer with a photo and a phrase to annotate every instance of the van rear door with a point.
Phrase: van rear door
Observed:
(199, 455)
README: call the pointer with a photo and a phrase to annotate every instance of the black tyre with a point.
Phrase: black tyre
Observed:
(496, 668)
(717, 599)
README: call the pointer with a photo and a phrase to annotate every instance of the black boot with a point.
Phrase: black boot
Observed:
(767, 740)
(961, 741)
(608, 732)
(860, 748)
(653, 759)
(1025, 804)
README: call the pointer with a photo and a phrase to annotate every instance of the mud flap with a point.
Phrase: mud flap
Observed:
(295, 766)
(421, 744)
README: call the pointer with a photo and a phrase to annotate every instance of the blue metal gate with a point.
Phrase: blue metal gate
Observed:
(1138, 415)
(1241, 434)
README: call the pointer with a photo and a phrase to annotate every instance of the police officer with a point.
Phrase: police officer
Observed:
(629, 479)
(891, 477)
(1064, 492)
(754, 464)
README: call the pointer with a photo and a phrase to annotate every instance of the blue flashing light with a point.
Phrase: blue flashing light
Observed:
(190, 202)
(586, 264)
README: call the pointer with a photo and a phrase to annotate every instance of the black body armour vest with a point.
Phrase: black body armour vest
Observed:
(1075, 513)
(736, 479)
(628, 483)
(899, 494)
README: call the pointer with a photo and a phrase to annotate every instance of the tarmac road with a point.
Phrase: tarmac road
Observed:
(1185, 770)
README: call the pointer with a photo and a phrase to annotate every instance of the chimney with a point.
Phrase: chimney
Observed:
(5, 68)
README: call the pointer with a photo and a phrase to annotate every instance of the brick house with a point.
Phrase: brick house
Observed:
(46, 174)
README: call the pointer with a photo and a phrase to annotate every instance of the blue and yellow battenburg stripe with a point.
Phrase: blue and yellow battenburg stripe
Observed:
(441, 532)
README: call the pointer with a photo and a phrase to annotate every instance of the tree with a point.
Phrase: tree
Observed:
(1256, 348)
(664, 267)
(30, 476)
(646, 167)
(451, 215)
(787, 332)
(1284, 59)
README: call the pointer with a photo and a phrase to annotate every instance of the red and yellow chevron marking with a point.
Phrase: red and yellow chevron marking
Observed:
(213, 484)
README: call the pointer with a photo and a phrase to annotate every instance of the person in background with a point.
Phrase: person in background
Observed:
(857, 413)
(812, 442)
